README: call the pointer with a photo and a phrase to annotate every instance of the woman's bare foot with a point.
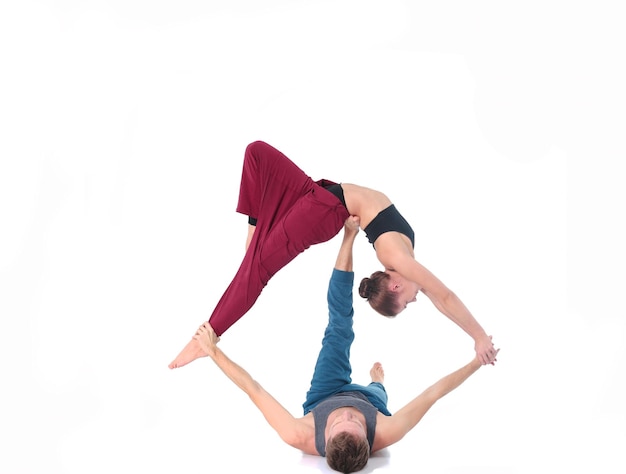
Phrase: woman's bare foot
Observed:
(191, 352)
(377, 373)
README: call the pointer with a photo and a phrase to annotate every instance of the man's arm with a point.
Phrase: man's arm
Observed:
(392, 429)
(293, 431)
(344, 257)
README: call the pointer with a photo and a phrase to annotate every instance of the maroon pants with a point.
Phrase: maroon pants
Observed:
(293, 212)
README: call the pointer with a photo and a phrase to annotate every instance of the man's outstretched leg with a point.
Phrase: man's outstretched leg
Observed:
(332, 369)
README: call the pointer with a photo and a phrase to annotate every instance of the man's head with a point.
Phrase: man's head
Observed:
(347, 447)
(347, 452)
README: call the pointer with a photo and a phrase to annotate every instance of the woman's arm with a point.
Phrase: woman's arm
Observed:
(444, 299)
(293, 431)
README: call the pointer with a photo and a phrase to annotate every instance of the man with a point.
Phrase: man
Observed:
(343, 421)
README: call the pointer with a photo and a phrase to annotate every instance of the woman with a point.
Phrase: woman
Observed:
(390, 292)
(288, 212)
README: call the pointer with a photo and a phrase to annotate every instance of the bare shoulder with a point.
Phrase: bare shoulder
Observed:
(384, 432)
(304, 438)
(394, 250)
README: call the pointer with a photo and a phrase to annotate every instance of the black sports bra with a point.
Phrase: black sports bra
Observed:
(337, 190)
(388, 220)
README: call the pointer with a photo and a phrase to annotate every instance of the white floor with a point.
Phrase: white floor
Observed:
(497, 131)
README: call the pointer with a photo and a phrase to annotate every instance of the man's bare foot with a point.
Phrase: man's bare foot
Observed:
(377, 373)
(191, 352)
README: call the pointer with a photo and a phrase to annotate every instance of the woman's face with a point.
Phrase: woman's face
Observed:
(405, 290)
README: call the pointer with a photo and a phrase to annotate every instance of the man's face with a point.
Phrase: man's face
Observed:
(349, 420)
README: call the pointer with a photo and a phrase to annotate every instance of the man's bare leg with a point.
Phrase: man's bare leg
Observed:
(191, 352)
(377, 373)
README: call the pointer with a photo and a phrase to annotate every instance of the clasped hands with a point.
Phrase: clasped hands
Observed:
(485, 351)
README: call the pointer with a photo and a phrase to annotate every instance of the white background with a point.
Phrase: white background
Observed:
(497, 129)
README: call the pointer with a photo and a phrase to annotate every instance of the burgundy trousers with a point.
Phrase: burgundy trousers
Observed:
(293, 212)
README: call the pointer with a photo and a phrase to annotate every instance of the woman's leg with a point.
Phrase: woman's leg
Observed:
(270, 184)
(292, 212)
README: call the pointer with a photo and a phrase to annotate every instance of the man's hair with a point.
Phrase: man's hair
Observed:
(347, 453)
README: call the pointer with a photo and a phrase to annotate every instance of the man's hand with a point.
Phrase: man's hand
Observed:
(351, 225)
(206, 337)
(485, 351)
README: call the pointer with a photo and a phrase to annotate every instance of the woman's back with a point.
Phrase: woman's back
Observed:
(364, 202)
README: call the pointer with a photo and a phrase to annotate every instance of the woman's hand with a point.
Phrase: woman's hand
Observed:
(206, 337)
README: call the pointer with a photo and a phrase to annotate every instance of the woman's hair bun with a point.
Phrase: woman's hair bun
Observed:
(365, 290)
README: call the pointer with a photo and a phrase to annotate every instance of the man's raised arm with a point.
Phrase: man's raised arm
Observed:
(344, 257)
